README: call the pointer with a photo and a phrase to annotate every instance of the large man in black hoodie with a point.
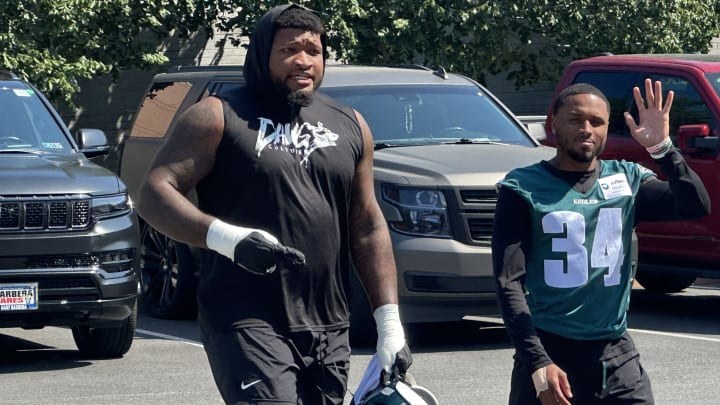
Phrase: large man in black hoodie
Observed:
(287, 209)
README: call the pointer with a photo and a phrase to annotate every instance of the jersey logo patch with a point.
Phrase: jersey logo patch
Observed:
(301, 140)
(615, 186)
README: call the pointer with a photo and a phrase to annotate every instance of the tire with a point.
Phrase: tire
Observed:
(168, 281)
(362, 325)
(659, 282)
(106, 342)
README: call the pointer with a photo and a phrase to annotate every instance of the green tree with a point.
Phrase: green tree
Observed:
(529, 40)
(53, 43)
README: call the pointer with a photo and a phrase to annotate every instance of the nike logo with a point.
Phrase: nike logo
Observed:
(244, 386)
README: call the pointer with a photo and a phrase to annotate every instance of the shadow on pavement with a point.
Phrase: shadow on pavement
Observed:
(449, 336)
(22, 356)
(693, 311)
(457, 336)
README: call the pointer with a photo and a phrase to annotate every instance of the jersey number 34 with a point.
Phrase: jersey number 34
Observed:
(607, 248)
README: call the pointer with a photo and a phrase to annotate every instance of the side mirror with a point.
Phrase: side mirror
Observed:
(695, 136)
(92, 142)
(535, 125)
(537, 130)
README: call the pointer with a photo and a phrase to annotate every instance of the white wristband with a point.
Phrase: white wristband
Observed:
(539, 379)
(391, 336)
(661, 149)
(223, 237)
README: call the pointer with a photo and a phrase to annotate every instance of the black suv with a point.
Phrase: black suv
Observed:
(442, 141)
(68, 230)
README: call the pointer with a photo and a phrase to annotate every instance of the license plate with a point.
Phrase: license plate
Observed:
(18, 297)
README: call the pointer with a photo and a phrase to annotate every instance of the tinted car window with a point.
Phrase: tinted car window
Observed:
(714, 80)
(430, 114)
(32, 127)
(159, 108)
(617, 87)
(688, 106)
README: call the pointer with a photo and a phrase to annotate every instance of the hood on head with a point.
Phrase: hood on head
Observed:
(257, 70)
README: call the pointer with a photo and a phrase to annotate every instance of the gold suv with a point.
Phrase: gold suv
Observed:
(442, 141)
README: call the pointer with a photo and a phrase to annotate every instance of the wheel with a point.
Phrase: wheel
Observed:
(168, 283)
(362, 324)
(663, 282)
(106, 342)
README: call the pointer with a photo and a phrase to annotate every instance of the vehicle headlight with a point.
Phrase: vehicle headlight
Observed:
(111, 206)
(423, 210)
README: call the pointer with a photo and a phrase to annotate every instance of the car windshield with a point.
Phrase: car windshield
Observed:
(421, 115)
(26, 125)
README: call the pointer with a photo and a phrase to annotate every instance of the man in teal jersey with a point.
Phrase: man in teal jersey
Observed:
(561, 250)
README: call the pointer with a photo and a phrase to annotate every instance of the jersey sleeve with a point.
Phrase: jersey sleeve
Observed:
(683, 196)
(510, 244)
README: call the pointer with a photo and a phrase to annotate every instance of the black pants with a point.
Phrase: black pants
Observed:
(258, 365)
(604, 372)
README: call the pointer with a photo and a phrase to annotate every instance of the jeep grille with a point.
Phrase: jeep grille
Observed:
(61, 261)
(52, 287)
(44, 214)
(111, 261)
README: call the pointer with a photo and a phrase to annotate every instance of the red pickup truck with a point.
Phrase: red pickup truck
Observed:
(671, 254)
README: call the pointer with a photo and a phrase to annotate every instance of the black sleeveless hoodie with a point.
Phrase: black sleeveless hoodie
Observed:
(287, 170)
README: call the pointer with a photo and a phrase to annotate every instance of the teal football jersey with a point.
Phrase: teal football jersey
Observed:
(579, 270)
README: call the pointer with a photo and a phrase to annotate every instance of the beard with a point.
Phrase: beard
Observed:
(302, 98)
(581, 156)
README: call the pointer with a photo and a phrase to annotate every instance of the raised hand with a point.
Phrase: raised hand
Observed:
(654, 117)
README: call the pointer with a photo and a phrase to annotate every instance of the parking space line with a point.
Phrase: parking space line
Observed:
(485, 319)
(498, 320)
(678, 335)
(169, 337)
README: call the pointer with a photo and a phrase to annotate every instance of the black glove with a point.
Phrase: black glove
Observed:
(261, 257)
(403, 361)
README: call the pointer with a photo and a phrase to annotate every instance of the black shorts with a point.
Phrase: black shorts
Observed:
(258, 365)
(600, 372)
